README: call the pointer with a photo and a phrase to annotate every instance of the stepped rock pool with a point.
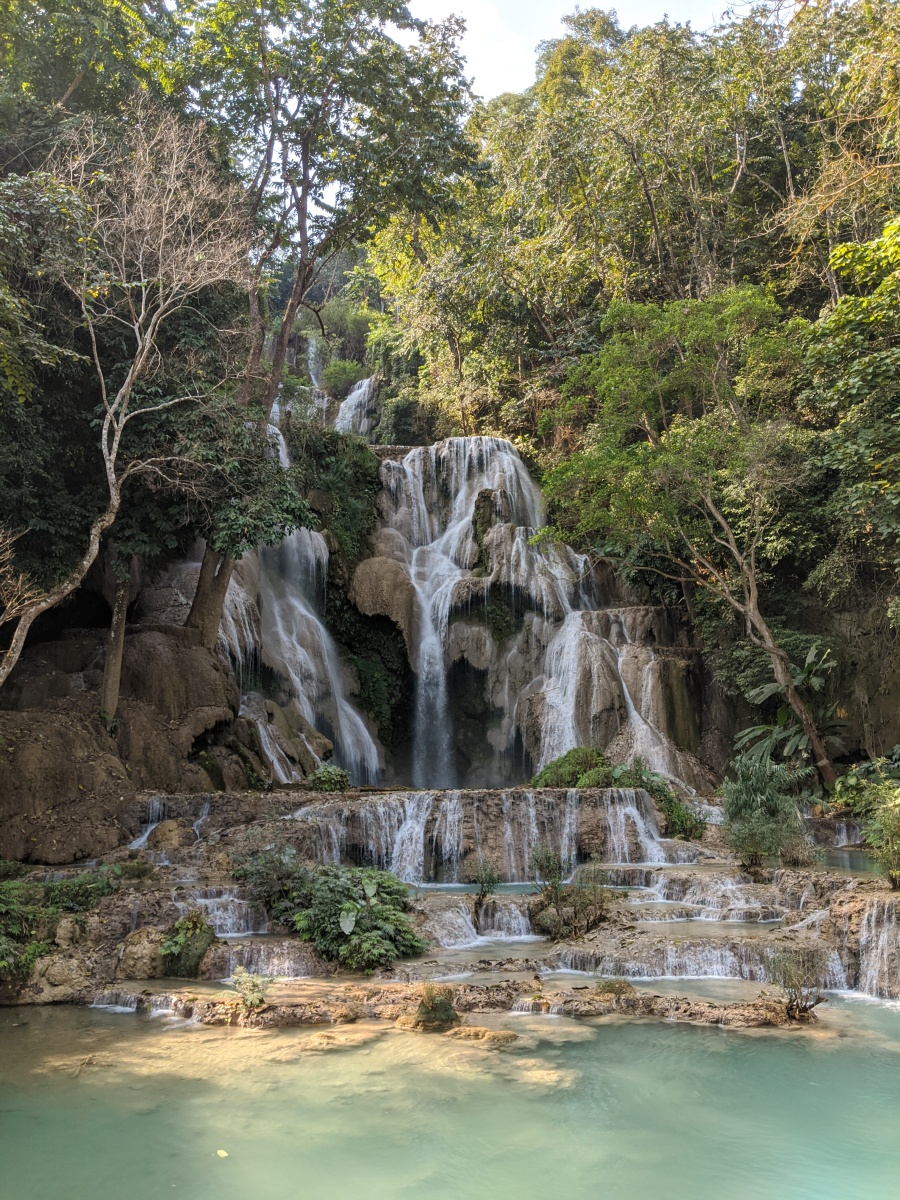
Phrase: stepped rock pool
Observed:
(99, 1106)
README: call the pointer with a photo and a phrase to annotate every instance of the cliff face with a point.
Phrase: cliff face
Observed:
(67, 785)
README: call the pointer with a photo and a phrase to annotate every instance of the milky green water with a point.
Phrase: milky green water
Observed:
(97, 1106)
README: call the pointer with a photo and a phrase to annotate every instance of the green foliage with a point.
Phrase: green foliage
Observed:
(564, 772)
(340, 376)
(486, 877)
(587, 768)
(276, 879)
(881, 830)
(614, 987)
(342, 477)
(357, 917)
(185, 944)
(761, 815)
(10, 869)
(786, 737)
(435, 1012)
(251, 988)
(329, 778)
(567, 909)
(29, 912)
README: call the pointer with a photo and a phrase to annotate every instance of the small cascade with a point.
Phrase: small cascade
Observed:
(879, 950)
(356, 414)
(228, 911)
(201, 818)
(443, 836)
(505, 917)
(451, 927)
(847, 833)
(115, 1000)
(687, 959)
(156, 812)
(447, 836)
(281, 958)
(631, 826)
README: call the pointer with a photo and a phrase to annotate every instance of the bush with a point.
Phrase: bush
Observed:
(566, 771)
(435, 1013)
(328, 778)
(357, 917)
(276, 879)
(340, 377)
(29, 912)
(251, 988)
(881, 831)
(761, 815)
(486, 876)
(186, 943)
(614, 987)
(801, 973)
(568, 909)
(586, 768)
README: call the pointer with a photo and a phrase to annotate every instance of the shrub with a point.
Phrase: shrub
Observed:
(276, 879)
(568, 909)
(340, 377)
(251, 988)
(586, 768)
(486, 876)
(185, 944)
(357, 917)
(801, 973)
(566, 771)
(10, 869)
(329, 778)
(435, 1013)
(29, 911)
(614, 987)
(761, 815)
(881, 831)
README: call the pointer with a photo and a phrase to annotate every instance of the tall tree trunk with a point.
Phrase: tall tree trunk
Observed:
(52, 597)
(209, 599)
(112, 666)
(781, 671)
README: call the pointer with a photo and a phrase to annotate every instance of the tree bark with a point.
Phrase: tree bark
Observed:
(68, 585)
(112, 666)
(209, 599)
(782, 674)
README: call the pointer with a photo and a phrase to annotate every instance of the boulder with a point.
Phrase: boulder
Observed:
(381, 588)
(140, 956)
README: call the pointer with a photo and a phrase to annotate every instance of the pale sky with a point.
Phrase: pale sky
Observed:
(502, 35)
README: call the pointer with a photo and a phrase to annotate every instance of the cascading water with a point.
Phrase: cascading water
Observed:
(294, 641)
(356, 412)
(460, 517)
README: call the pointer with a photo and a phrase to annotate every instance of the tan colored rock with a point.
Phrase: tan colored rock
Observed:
(58, 979)
(140, 955)
(381, 587)
(170, 835)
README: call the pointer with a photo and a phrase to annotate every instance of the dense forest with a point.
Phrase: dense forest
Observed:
(667, 272)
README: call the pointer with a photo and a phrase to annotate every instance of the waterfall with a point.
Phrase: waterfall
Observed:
(355, 414)
(295, 641)
(879, 950)
(505, 917)
(461, 516)
(630, 826)
(443, 836)
(156, 812)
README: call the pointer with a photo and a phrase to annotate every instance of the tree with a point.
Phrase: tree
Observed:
(332, 122)
(694, 464)
(157, 227)
(761, 815)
